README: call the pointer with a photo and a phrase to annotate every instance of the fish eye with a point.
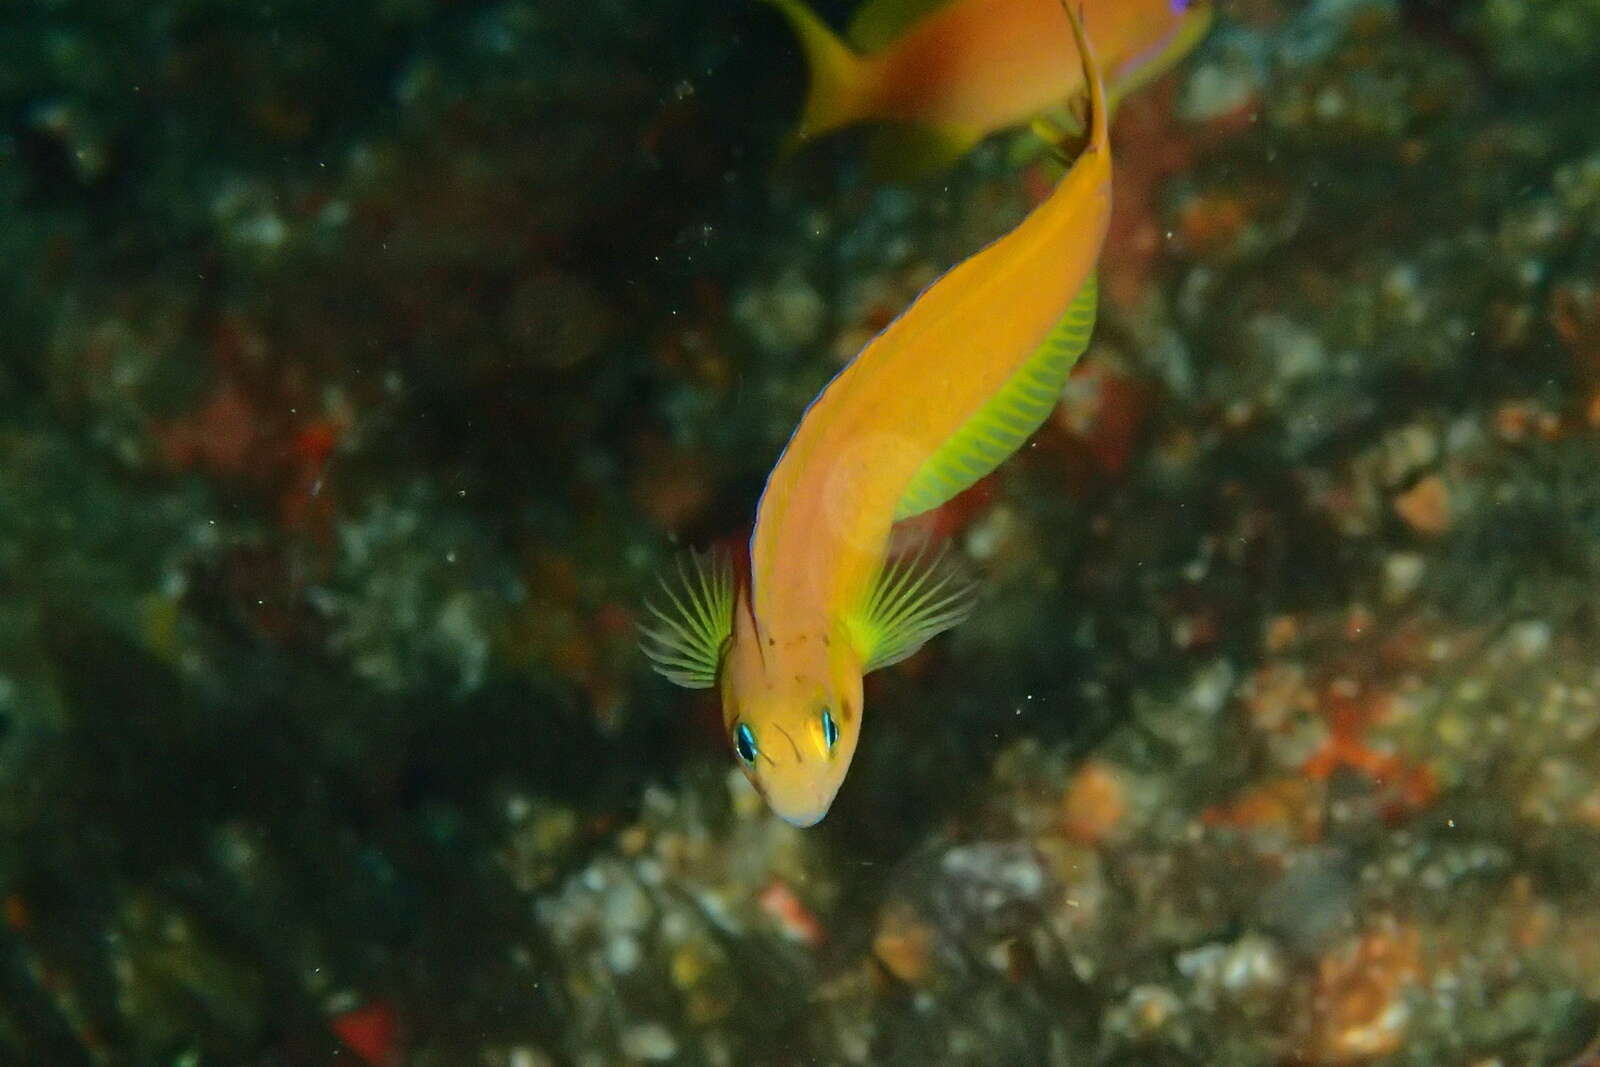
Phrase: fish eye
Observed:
(744, 743)
(830, 729)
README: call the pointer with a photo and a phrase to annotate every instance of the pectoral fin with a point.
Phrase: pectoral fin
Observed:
(689, 630)
(917, 595)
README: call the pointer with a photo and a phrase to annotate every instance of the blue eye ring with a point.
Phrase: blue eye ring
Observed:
(744, 743)
(830, 729)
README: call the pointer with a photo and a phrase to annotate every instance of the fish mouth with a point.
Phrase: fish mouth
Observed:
(802, 815)
(802, 820)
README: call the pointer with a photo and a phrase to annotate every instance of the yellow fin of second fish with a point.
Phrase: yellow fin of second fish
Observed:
(837, 75)
(1029, 144)
(876, 24)
(1132, 77)
(907, 151)
(1008, 418)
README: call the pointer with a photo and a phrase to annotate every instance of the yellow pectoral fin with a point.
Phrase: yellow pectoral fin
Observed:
(915, 597)
(1009, 417)
(690, 629)
(906, 151)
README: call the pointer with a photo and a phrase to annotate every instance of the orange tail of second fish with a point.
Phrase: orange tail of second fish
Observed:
(840, 78)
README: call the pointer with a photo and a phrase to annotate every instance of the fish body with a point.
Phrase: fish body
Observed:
(942, 396)
(968, 68)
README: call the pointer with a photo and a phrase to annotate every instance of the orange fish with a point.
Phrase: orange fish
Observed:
(947, 73)
(940, 398)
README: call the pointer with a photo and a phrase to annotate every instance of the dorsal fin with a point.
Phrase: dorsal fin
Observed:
(1009, 417)
(876, 23)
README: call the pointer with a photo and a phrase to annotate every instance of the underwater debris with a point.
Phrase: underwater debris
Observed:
(1541, 42)
(1425, 507)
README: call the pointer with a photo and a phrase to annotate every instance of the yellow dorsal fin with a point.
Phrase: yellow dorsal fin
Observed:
(1008, 418)
(876, 23)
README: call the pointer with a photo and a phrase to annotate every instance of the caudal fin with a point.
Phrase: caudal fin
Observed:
(838, 75)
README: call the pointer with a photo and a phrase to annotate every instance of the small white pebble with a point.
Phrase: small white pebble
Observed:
(1530, 638)
(649, 1041)
(622, 954)
(1402, 574)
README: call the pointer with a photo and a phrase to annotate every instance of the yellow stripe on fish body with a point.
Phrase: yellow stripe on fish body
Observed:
(937, 400)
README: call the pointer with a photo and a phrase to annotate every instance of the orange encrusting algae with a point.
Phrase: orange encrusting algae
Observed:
(968, 68)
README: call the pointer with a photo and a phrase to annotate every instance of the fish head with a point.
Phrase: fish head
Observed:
(792, 708)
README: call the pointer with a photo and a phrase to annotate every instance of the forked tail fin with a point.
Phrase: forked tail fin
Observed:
(838, 76)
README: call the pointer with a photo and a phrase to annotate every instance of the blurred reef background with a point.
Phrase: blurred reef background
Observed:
(361, 364)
